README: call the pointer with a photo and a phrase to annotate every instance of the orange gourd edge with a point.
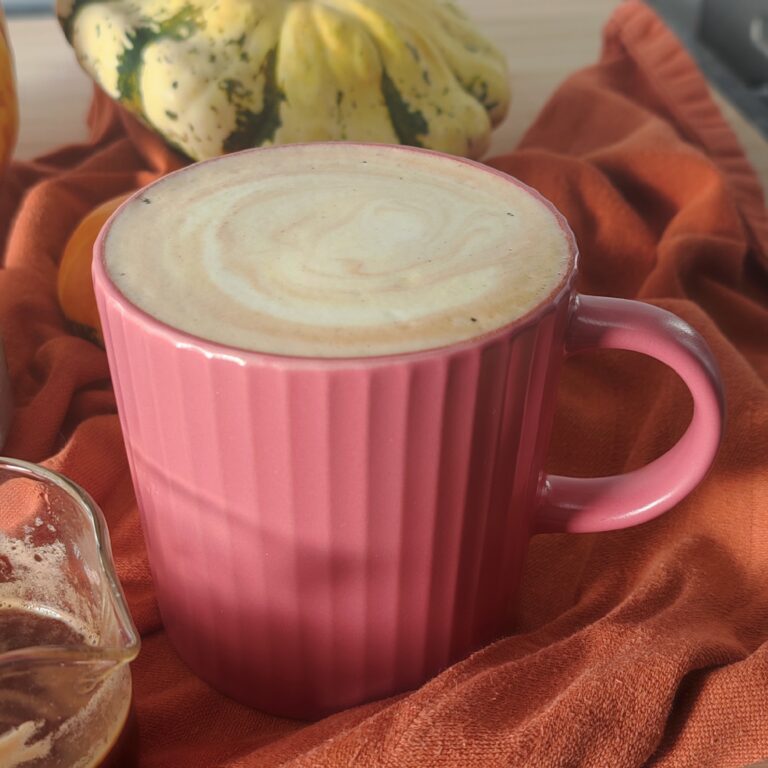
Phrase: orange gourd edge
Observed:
(75, 284)
(9, 112)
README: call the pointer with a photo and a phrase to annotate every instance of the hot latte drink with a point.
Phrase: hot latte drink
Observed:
(336, 250)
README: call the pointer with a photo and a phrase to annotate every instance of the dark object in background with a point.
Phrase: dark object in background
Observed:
(737, 30)
(28, 8)
(729, 40)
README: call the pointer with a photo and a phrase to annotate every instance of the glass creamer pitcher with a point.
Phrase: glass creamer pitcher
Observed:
(66, 636)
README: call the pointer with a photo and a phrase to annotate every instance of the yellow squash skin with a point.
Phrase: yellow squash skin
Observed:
(9, 112)
(217, 76)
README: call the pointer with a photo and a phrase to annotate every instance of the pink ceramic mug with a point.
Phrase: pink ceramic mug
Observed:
(323, 532)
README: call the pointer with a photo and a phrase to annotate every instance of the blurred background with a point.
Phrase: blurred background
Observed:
(544, 41)
(729, 39)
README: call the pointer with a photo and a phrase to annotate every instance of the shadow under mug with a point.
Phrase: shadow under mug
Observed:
(323, 532)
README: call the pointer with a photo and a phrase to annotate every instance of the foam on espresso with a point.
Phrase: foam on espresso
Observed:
(336, 250)
(35, 590)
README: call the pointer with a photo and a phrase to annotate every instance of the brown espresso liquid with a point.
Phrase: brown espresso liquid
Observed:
(67, 726)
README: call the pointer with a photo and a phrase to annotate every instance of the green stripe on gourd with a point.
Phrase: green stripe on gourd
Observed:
(409, 124)
(255, 128)
(180, 26)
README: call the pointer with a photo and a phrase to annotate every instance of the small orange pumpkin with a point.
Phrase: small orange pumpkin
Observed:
(75, 285)
(9, 111)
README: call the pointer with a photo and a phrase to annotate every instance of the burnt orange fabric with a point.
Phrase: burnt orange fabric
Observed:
(645, 646)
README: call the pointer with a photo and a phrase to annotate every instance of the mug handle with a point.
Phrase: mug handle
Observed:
(579, 505)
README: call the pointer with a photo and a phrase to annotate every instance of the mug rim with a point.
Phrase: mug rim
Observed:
(241, 355)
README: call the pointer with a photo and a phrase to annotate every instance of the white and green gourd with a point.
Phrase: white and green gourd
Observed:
(223, 75)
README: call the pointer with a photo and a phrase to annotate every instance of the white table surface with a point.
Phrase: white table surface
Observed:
(544, 40)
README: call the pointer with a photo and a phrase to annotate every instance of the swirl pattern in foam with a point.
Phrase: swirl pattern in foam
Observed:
(336, 250)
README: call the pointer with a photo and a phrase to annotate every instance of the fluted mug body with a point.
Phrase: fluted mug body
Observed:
(326, 531)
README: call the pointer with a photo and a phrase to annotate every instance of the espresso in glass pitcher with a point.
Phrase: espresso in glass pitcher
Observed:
(65, 633)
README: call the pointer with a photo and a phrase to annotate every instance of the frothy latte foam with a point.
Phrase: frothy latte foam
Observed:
(336, 251)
